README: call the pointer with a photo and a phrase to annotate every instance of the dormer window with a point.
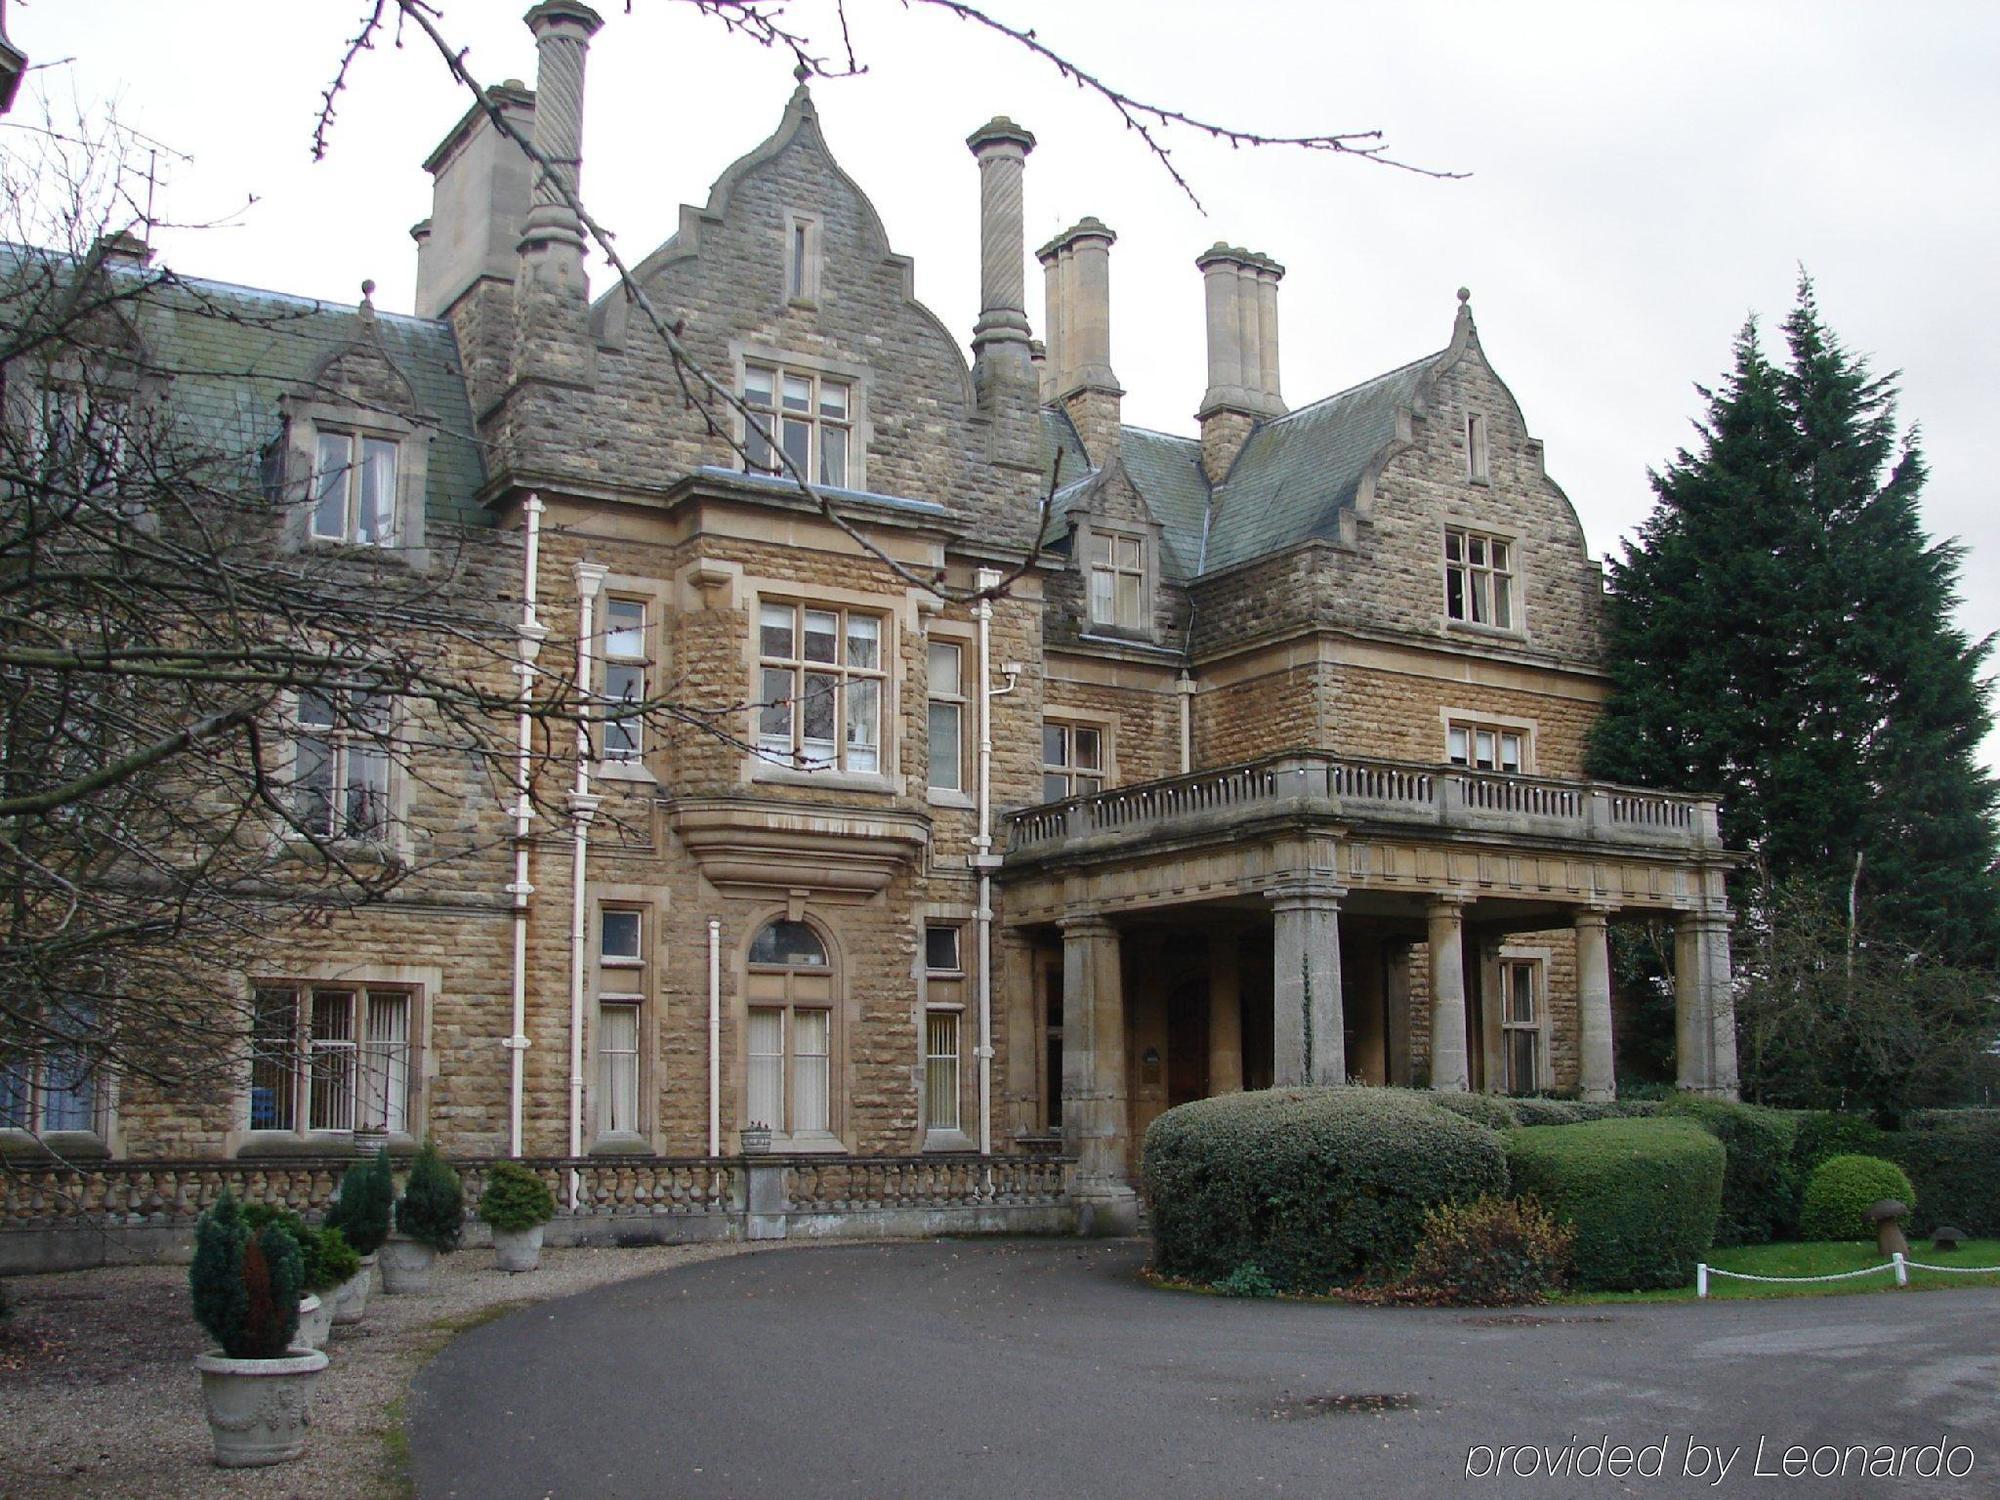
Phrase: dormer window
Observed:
(354, 489)
(1116, 570)
(810, 415)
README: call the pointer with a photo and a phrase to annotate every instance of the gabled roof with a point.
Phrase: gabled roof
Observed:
(231, 353)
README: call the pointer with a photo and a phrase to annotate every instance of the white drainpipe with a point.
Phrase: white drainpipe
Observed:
(714, 1037)
(983, 858)
(531, 634)
(583, 808)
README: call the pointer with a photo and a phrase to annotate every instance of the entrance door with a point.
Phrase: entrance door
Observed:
(1187, 1043)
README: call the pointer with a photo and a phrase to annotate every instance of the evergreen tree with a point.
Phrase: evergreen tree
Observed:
(1780, 633)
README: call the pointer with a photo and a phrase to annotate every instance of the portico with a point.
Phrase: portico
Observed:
(1314, 919)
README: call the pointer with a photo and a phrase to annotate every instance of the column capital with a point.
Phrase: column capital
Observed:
(1594, 915)
(1705, 919)
(1085, 924)
(1447, 904)
(1290, 895)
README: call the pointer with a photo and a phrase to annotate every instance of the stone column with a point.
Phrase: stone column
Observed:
(1308, 1028)
(1095, 1107)
(1704, 1004)
(1001, 334)
(1449, 1072)
(1596, 1073)
(1225, 1016)
(563, 30)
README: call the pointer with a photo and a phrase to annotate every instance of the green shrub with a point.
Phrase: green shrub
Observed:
(1314, 1186)
(1758, 1189)
(1953, 1161)
(246, 1282)
(361, 1212)
(1825, 1132)
(1838, 1194)
(327, 1257)
(1490, 1110)
(515, 1198)
(1642, 1195)
(1247, 1281)
(432, 1208)
(1492, 1252)
(1550, 1111)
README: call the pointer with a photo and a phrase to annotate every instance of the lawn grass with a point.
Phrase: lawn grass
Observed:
(1819, 1259)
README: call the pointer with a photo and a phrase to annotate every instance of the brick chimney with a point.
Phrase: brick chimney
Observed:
(1077, 373)
(1240, 288)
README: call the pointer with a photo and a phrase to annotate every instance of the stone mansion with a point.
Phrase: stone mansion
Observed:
(1266, 769)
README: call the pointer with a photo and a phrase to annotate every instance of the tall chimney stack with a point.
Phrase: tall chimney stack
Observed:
(1000, 337)
(551, 300)
(1240, 288)
(1077, 372)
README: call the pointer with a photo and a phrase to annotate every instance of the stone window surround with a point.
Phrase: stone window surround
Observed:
(963, 637)
(652, 592)
(397, 847)
(843, 1011)
(305, 418)
(1517, 630)
(900, 621)
(1452, 717)
(646, 900)
(1147, 535)
(860, 379)
(96, 1143)
(1478, 449)
(1106, 725)
(1495, 1027)
(802, 281)
(424, 984)
(952, 986)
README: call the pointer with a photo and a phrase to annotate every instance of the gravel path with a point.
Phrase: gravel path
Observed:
(98, 1397)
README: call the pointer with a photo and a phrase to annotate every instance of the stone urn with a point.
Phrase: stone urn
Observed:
(756, 1140)
(350, 1298)
(315, 1320)
(406, 1266)
(258, 1409)
(518, 1249)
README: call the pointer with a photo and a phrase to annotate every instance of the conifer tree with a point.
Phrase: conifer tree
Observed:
(1780, 633)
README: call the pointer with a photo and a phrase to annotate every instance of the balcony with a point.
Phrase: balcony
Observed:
(1379, 796)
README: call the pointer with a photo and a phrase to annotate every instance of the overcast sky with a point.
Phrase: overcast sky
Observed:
(1642, 179)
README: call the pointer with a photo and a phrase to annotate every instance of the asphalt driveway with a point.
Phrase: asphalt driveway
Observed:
(1048, 1369)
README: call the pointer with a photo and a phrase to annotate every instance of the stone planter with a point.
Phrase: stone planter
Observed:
(518, 1249)
(315, 1320)
(756, 1140)
(258, 1409)
(406, 1266)
(350, 1299)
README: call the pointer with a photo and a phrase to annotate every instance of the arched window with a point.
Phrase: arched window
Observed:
(789, 1036)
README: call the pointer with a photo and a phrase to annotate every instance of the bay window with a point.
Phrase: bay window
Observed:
(820, 687)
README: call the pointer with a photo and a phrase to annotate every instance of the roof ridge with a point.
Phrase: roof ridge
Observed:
(1407, 365)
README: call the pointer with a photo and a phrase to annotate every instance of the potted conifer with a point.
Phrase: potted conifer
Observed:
(361, 1214)
(257, 1386)
(430, 1218)
(328, 1261)
(516, 1204)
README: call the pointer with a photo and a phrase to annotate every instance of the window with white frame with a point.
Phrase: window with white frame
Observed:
(947, 716)
(1117, 576)
(621, 999)
(810, 416)
(788, 1048)
(57, 1089)
(625, 662)
(1072, 760)
(820, 687)
(354, 488)
(1521, 1023)
(1487, 747)
(1476, 466)
(331, 1057)
(341, 764)
(1478, 578)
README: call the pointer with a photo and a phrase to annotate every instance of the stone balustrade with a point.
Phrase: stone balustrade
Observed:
(1372, 792)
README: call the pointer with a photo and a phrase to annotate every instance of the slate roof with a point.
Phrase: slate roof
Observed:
(233, 351)
(1289, 484)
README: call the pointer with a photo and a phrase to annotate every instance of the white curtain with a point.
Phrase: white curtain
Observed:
(811, 1031)
(386, 1076)
(767, 1068)
(618, 1068)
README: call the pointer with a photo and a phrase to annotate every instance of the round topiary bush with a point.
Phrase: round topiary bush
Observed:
(1315, 1187)
(1839, 1192)
(515, 1198)
(1643, 1195)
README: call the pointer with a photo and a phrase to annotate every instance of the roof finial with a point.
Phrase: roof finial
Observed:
(367, 308)
(1465, 294)
(802, 72)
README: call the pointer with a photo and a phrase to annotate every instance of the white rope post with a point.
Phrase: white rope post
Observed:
(1902, 1271)
(1701, 1280)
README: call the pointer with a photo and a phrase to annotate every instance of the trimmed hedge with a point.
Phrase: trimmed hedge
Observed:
(1550, 1112)
(1838, 1194)
(1315, 1187)
(1825, 1132)
(1759, 1190)
(1643, 1195)
(1953, 1160)
(1491, 1110)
